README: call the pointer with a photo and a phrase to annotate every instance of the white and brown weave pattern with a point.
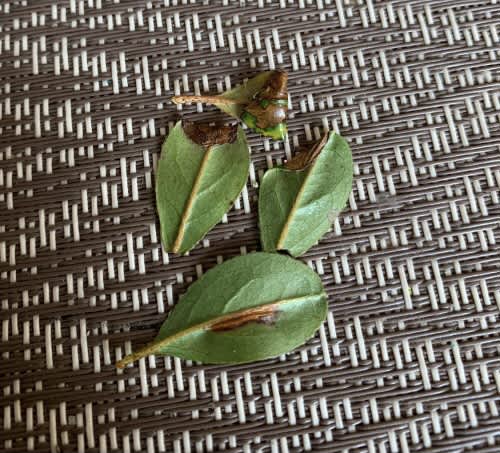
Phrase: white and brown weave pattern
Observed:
(409, 358)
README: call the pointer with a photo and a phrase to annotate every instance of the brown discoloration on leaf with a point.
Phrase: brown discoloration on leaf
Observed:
(209, 135)
(306, 157)
(264, 108)
(190, 98)
(265, 314)
(276, 87)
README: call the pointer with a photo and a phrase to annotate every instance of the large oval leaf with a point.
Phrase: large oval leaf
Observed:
(201, 172)
(249, 308)
(298, 204)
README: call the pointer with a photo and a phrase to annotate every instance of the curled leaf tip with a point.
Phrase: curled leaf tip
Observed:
(261, 103)
(266, 113)
(208, 135)
(304, 158)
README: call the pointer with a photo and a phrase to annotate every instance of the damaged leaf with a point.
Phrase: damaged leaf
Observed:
(261, 103)
(249, 308)
(201, 171)
(266, 113)
(299, 201)
(206, 135)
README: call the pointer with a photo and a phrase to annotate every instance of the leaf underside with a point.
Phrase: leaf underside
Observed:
(298, 205)
(197, 181)
(249, 308)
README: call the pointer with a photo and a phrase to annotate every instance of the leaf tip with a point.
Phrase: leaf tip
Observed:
(304, 158)
(266, 112)
(208, 135)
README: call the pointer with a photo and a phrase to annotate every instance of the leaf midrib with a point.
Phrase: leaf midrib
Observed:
(188, 207)
(295, 207)
(206, 325)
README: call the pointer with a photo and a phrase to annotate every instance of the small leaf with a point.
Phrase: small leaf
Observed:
(249, 308)
(201, 171)
(298, 202)
(261, 103)
(266, 111)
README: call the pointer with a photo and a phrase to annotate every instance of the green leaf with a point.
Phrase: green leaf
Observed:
(298, 204)
(201, 171)
(249, 308)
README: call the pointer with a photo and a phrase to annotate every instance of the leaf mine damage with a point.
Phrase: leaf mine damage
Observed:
(201, 171)
(267, 112)
(208, 135)
(265, 314)
(298, 201)
(304, 158)
(248, 308)
(271, 103)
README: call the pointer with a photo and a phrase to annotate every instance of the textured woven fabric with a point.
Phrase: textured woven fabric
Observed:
(408, 359)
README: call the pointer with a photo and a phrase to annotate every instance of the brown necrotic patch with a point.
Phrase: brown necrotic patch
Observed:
(208, 135)
(304, 158)
(264, 314)
(270, 104)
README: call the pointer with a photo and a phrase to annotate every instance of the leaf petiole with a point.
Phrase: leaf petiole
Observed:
(206, 100)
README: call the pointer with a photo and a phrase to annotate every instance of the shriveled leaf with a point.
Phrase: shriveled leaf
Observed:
(298, 202)
(244, 94)
(267, 111)
(261, 103)
(249, 308)
(201, 171)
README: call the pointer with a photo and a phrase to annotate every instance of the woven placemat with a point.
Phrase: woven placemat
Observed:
(408, 359)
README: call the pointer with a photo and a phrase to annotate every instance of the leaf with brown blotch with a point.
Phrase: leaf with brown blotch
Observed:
(201, 171)
(267, 111)
(249, 308)
(297, 202)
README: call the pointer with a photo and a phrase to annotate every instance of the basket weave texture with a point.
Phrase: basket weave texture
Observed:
(408, 359)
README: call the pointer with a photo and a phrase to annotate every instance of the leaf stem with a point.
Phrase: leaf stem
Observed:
(144, 352)
(205, 99)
